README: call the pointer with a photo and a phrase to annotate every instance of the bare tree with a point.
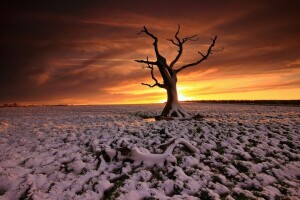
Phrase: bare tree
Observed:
(169, 73)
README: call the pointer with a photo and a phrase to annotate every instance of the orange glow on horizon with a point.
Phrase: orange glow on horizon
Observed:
(247, 87)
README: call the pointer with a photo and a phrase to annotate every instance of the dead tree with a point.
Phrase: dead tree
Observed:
(169, 73)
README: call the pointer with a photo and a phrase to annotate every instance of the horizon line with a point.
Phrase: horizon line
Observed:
(15, 104)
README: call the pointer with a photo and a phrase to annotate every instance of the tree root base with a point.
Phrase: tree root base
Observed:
(174, 111)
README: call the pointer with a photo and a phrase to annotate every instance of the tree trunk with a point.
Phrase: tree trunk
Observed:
(173, 107)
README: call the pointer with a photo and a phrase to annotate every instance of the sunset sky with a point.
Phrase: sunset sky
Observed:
(83, 52)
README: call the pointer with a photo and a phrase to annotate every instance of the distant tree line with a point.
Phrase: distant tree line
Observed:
(11, 105)
(31, 105)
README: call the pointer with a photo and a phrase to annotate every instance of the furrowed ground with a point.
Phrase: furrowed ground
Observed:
(86, 152)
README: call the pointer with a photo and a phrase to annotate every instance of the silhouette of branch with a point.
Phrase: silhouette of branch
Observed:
(153, 77)
(204, 56)
(161, 61)
(180, 43)
(190, 38)
(145, 30)
(146, 62)
(171, 40)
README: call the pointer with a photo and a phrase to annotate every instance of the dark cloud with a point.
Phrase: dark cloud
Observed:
(67, 49)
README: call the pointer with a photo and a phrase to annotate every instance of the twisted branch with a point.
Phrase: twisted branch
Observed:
(149, 66)
(145, 30)
(180, 43)
(203, 56)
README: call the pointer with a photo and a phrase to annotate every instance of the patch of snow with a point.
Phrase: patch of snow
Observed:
(94, 152)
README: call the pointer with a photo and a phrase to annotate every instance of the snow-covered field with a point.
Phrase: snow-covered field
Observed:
(112, 152)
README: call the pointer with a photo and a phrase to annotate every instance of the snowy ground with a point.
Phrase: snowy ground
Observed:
(112, 152)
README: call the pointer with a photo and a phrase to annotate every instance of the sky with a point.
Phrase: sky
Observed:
(83, 52)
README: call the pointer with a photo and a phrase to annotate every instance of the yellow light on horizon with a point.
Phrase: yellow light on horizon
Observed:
(242, 87)
(181, 97)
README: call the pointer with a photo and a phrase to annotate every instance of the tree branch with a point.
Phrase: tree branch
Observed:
(173, 42)
(146, 62)
(153, 77)
(204, 56)
(180, 44)
(190, 38)
(145, 30)
(161, 61)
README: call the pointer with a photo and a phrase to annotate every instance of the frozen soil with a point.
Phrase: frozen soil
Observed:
(89, 152)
